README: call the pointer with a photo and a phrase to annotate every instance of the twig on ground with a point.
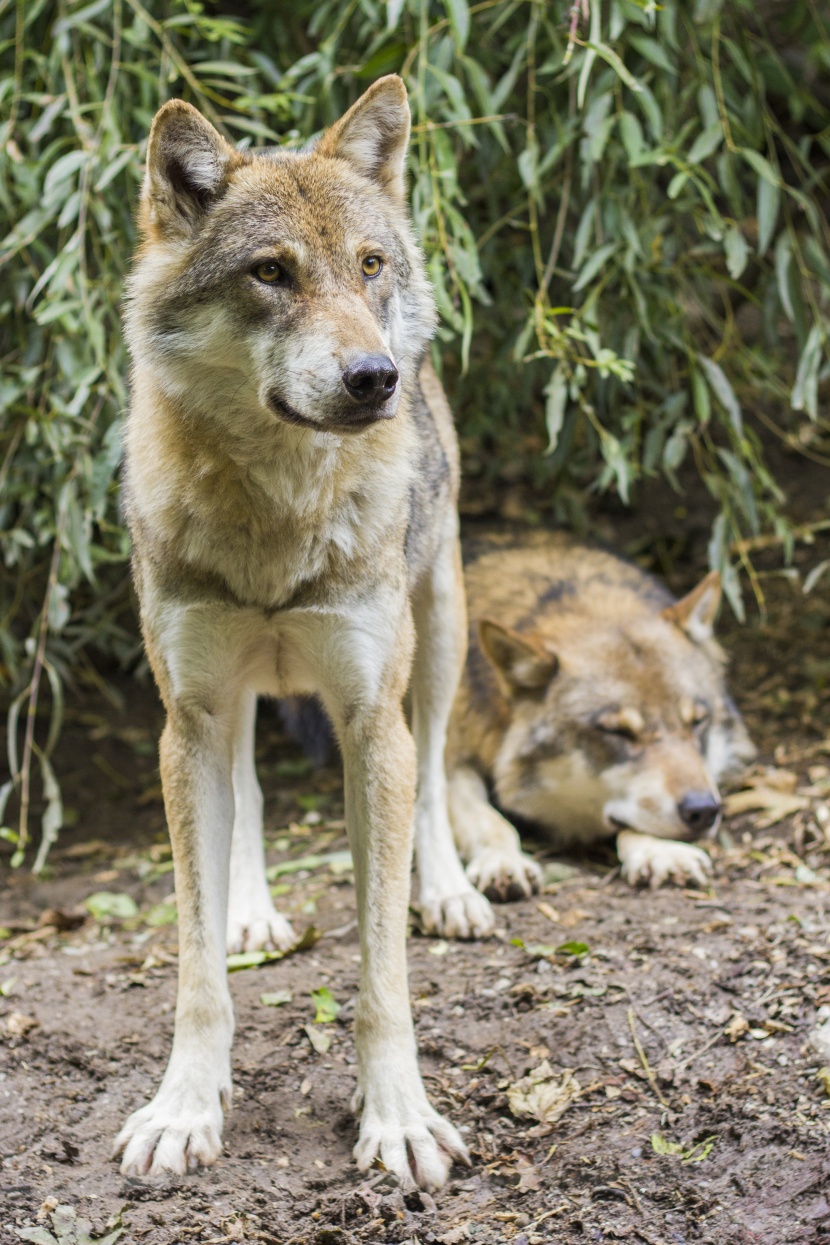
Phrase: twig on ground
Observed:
(652, 1080)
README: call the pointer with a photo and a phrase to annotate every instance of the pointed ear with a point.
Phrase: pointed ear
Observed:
(695, 613)
(188, 165)
(522, 663)
(373, 135)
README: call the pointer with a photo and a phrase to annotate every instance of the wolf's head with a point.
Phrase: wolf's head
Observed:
(285, 282)
(618, 719)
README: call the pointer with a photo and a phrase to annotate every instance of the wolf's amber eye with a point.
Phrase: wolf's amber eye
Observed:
(269, 271)
(372, 265)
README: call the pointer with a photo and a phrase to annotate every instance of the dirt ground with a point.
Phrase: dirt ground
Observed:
(699, 1113)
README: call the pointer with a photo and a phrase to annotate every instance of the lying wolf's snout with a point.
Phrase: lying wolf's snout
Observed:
(371, 380)
(699, 810)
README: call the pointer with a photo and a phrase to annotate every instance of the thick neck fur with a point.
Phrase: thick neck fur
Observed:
(269, 508)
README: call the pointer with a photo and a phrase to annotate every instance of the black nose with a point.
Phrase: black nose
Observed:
(371, 380)
(699, 810)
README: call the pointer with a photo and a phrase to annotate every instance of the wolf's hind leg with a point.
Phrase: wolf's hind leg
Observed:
(447, 902)
(487, 841)
(253, 922)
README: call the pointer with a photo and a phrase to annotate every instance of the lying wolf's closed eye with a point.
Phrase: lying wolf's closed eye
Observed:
(372, 266)
(623, 724)
(269, 271)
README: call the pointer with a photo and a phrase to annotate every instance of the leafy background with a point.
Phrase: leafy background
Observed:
(624, 209)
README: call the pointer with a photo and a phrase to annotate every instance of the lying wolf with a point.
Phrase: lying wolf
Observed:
(290, 486)
(593, 705)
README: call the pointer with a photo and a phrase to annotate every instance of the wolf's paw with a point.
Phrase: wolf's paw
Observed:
(177, 1132)
(504, 875)
(411, 1140)
(463, 914)
(649, 861)
(261, 928)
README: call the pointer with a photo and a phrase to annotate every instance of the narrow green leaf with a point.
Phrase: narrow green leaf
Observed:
(394, 8)
(631, 133)
(761, 165)
(557, 398)
(706, 143)
(723, 391)
(593, 265)
(783, 255)
(616, 63)
(736, 250)
(804, 396)
(459, 15)
(769, 202)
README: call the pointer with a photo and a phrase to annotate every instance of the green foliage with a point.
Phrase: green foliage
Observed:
(622, 207)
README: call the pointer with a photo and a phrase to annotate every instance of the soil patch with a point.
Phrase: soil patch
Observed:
(683, 1016)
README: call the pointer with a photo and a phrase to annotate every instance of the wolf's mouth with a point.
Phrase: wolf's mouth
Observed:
(354, 421)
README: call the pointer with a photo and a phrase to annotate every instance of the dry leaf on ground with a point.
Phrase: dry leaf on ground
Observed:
(543, 1094)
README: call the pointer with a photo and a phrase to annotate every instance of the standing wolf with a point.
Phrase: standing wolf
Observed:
(291, 482)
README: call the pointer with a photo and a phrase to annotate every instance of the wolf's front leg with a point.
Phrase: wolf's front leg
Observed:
(253, 922)
(487, 841)
(182, 1127)
(447, 901)
(398, 1125)
(647, 860)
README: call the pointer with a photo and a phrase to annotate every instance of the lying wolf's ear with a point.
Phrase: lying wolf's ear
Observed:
(522, 663)
(373, 135)
(188, 164)
(695, 613)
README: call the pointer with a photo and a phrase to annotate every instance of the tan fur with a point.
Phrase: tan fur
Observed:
(592, 702)
(292, 535)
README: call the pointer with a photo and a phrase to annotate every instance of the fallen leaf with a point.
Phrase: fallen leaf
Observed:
(548, 911)
(276, 999)
(161, 914)
(660, 1145)
(573, 917)
(107, 905)
(59, 919)
(773, 803)
(543, 1094)
(253, 959)
(69, 1229)
(320, 1039)
(326, 1005)
(554, 872)
(573, 948)
(18, 1025)
(737, 1027)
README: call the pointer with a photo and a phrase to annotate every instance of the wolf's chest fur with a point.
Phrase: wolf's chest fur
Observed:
(307, 508)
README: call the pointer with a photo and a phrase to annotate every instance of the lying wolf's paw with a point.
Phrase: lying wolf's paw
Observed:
(464, 914)
(646, 860)
(260, 929)
(409, 1138)
(179, 1131)
(504, 875)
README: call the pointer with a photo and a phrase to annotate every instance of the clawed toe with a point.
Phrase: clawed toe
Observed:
(419, 1155)
(463, 916)
(267, 931)
(504, 876)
